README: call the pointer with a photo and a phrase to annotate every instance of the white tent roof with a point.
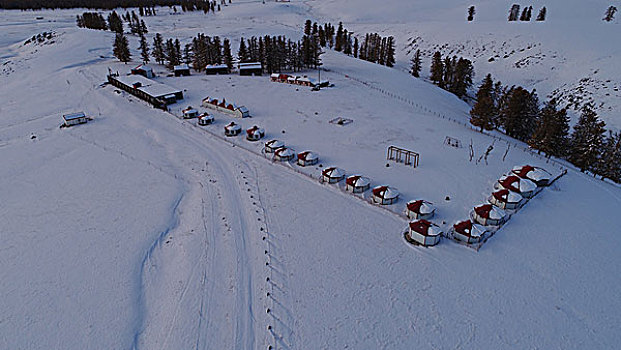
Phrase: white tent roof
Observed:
(335, 172)
(233, 127)
(308, 155)
(274, 144)
(523, 185)
(190, 111)
(425, 207)
(536, 174)
(285, 152)
(362, 181)
(388, 192)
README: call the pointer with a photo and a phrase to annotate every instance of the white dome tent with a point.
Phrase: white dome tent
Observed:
(514, 183)
(420, 209)
(232, 129)
(423, 232)
(272, 145)
(284, 154)
(488, 215)
(307, 158)
(333, 174)
(357, 183)
(190, 113)
(539, 176)
(205, 119)
(468, 232)
(505, 199)
(385, 195)
(255, 133)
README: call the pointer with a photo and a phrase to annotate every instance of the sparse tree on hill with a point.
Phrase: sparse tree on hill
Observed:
(158, 49)
(390, 52)
(514, 12)
(610, 163)
(356, 47)
(610, 14)
(226, 52)
(471, 13)
(520, 114)
(542, 14)
(115, 23)
(242, 53)
(121, 48)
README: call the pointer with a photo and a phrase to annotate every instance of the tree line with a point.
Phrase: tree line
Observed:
(90, 4)
(516, 112)
(450, 73)
(527, 13)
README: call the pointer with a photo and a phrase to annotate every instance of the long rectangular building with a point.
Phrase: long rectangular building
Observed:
(155, 93)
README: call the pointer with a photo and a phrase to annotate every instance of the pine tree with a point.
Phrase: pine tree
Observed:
(610, 162)
(524, 15)
(390, 51)
(143, 27)
(587, 140)
(542, 14)
(227, 57)
(338, 45)
(551, 134)
(416, 64)
(462, 77)
(437, 69)
(514, 12)
(529, 13)
(144, 49)
(520, 114)
(188, 56)
(115, 23)
(471, 13)
(308, 27)
(242, 53)
(484, 111)
(355, 47)
(121, 48)
(158, 49)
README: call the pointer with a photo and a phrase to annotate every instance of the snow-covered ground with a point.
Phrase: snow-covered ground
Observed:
(141, 230)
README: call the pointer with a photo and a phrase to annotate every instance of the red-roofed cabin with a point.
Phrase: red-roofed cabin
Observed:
(489, 215)
(307, 158)
(420, 209)
(284, 154)
(357, 183)
(255, 133)
(514, 183)
(505, 199)
(535, 174)
(333, 174)
(385, 195)
(232, 129)
(468, 232)
(423, 232)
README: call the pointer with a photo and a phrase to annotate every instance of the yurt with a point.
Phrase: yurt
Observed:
(205, 119)
(385, 195)
(505, 199)
(307, 158)
(420, 209)
(468, 232)
(357, 183)
(515, 183)
(255, 133)
(232, 129)
(423, 232)
(190, 113)
(488, 215)
(284, 154)
(333, 174)
(272, 145)
(535, 174)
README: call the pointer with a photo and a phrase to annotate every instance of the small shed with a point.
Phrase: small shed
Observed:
(385, 195)
(539, 176)
(190, 113)
(420, 209)
(505, 199)
(333, 175)
(250, 68)
(357, 183)
(74, 119)
(144, 70)
(232, 129)
(284, 154)
(468, 232)
(255, 133)
(423, 232)
(514, 183)
(205, 119)
(489, 215)
(217, 69)
(181, 70)
(272, 145)
(307, 158)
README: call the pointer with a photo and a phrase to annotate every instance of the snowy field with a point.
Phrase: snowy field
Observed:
(140, 230)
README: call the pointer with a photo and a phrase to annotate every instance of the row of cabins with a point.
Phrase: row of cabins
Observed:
(250, 68)
(225, 107)
(296, 80)
(511, 192)
(158, 94)
(283, 153)
(384, 195)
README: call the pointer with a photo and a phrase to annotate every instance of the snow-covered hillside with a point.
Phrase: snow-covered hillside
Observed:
(141, 230)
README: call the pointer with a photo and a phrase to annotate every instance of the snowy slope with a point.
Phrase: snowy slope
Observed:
(140, 230)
